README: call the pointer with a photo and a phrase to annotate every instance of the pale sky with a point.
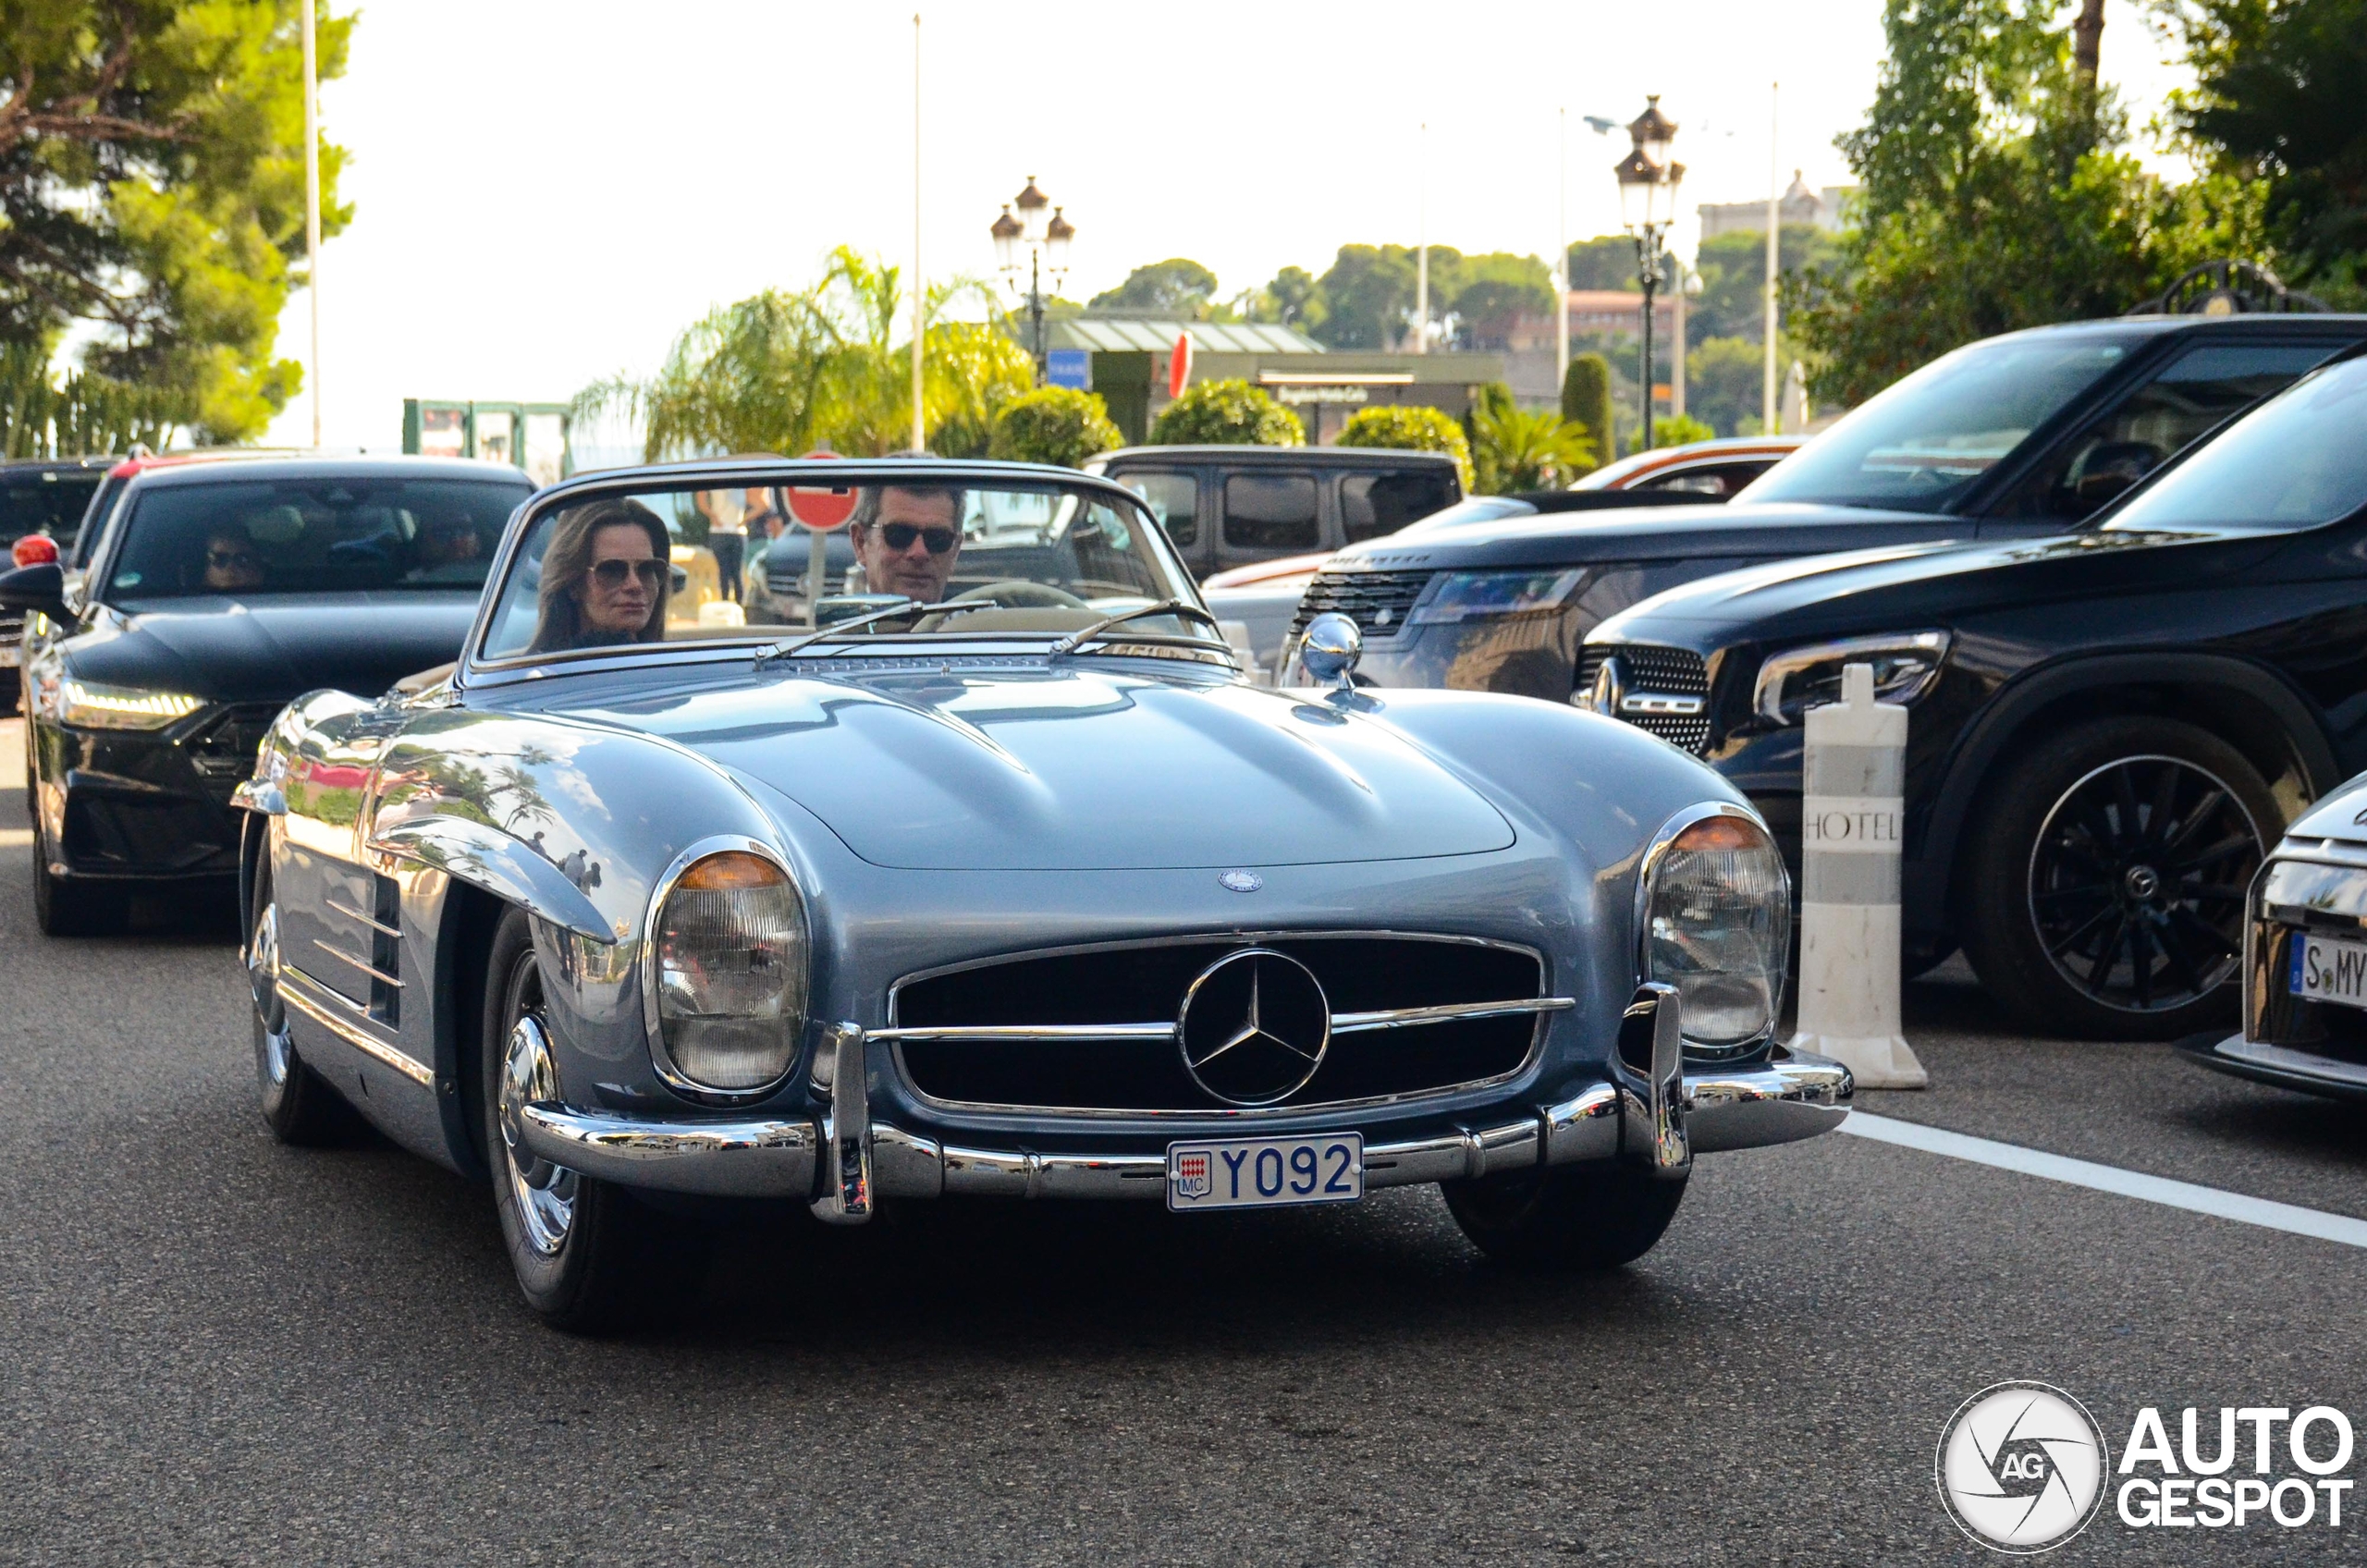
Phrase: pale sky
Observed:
(547, 192)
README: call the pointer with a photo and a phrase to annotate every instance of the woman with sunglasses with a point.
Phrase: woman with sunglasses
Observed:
(606, 578)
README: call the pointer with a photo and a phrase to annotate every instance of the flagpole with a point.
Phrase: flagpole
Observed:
(1770, 423)
(920, 283)
(1562, 267)
(313, 206)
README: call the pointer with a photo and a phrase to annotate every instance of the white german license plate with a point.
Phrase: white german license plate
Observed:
(1266, 1173)
(2328, 969)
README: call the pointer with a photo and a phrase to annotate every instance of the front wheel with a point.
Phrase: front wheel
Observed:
(585, 1252)
(1572, 1217)
(297, 1105)
(2104, 885)
(70, 906)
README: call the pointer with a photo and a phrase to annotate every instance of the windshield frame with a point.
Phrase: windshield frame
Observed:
(2139, 349)
(725, 473)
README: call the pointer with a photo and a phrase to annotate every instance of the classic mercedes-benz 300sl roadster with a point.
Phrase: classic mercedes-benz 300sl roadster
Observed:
(999, 879)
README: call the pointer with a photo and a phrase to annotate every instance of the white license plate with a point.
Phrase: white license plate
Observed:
(2328, 969)
(1266, 1173)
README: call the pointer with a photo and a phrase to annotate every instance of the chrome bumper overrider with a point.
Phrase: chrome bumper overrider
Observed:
(850, 1157)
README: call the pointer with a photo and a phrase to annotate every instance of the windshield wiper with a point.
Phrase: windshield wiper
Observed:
(910, 607)
(1076, 640)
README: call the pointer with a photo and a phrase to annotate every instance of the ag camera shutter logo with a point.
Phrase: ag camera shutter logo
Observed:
(2021, 1468)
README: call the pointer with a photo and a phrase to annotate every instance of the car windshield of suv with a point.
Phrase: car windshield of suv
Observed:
(36, 502)
(1923, 442)
(2299, 460)
(1031, 563)
(312, 535)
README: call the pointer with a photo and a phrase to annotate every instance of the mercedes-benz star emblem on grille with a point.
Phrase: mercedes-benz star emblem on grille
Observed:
(1610, 685)
(1255, 1026)
(1242, 881)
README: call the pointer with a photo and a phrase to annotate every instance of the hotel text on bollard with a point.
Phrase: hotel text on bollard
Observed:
(1855, 777)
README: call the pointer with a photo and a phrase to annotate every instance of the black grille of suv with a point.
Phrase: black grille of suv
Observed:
(224, 753)
(1376, 601)
(1145, 985)
(1676, 672)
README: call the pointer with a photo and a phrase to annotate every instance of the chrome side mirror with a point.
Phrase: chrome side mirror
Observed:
(1330, 648)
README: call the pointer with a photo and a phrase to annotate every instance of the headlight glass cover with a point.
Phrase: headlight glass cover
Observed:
(731, 972)
(89, 704)
(1467, 595)
(1717, 908)
(1797, 680)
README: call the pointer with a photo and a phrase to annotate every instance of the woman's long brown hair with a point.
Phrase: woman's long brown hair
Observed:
(567, 564)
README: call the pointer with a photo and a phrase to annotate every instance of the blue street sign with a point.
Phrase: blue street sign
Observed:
(1069, 367)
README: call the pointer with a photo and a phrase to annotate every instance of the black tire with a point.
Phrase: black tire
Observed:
(68, 906)
(298, 1104)
(2104, 887)
(602, 1272)
(1575, 1217)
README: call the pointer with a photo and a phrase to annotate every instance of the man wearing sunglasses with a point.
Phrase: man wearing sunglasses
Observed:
(906, 540)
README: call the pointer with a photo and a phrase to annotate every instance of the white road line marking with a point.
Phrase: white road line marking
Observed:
(2270, 1216)
(15, 837)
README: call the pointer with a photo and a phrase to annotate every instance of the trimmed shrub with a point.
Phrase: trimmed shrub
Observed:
(1229, 413)
(1586, 400)
(1053, 424)
(1413, 427)
(1678, 430)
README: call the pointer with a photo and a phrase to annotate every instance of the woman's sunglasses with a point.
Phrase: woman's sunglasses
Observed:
(899, 537)
(611, 573)
(232, 557)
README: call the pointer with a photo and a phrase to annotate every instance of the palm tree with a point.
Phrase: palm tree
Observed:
(789, 371)
(1534, 451)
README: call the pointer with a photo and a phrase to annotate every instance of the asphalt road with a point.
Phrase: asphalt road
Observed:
(216, 1350)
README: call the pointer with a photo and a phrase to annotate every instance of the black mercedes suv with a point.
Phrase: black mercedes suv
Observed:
(2109, 727)
(2016, 437)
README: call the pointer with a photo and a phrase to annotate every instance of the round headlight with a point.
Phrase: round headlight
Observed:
(1717, 925)
(731, 972)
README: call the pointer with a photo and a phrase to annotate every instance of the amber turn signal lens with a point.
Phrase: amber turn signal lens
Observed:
(732, 871)
(1718, 833)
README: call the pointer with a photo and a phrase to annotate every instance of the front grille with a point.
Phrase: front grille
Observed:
(1145, 985)
(224, 752)
(1672, 671)
(1376, 601)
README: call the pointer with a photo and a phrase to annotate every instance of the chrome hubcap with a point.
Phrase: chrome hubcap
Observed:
(543, 1193)
(275, 1055)
(2136, 883)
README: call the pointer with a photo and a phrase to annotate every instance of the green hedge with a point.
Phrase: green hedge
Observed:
(1230, 413)
(1415, 427)
(1053, 424)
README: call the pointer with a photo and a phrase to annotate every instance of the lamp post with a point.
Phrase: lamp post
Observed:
(1046, 243)
(1648, 183)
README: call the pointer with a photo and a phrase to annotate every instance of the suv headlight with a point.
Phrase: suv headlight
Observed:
(88, 705)
(1791, 682)
(730, 970)
(1477, 595)
(1716, 923)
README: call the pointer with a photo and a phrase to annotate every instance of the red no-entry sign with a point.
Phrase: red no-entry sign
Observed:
(821, 508)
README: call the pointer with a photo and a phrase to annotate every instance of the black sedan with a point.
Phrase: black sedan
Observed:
(46, 496)
(2110, 727)
(2019, 436)
(220, 592)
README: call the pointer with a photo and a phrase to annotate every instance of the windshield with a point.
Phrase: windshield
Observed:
(1923, 442)
(1034, 562)
(2299, 460)
(312, 535)
(44, 502)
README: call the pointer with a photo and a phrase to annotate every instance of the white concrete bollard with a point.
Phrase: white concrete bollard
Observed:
(1853, 785)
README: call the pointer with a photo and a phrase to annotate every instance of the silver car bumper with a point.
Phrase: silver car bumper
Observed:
(849, 1158)
(2286, 1066)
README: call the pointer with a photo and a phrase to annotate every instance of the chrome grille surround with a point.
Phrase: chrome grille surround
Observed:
(1659, 671)
(923, 1045)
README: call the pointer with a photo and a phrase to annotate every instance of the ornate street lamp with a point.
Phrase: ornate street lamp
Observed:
(1648, 183)
(1046, 243)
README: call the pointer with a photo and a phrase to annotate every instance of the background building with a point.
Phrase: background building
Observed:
(1826, 209)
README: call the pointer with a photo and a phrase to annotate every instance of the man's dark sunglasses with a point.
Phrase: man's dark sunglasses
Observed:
(899, 537)
(611, 573)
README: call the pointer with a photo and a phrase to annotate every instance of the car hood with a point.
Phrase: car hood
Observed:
(272, 649)
(1649, 532)
(1935, 583)
(1077, 768)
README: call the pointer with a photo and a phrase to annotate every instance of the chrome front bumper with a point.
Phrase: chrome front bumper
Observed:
(849, 1158)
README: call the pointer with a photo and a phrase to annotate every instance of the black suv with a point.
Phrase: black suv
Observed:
(2019, 436)
(2109, 727)
(1230, 506)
